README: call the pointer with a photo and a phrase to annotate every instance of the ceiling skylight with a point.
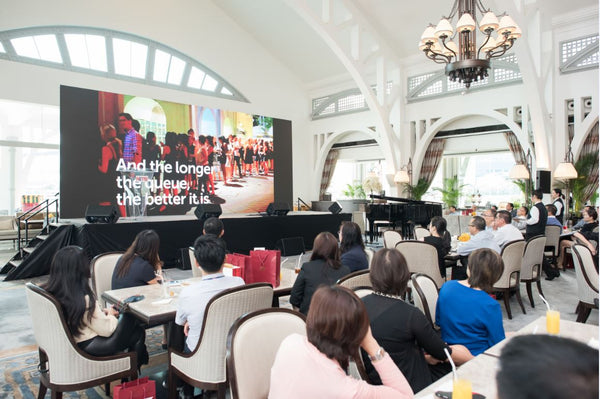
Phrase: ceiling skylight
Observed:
(130, 58)
(168, 68)
(87, 51)
(2, 48)
(176, 70)
(42, 47)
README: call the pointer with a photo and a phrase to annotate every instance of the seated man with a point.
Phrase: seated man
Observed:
(520, 221)
(489, 215)
(480, 238)
(210, 255)
(452, 210)
(549, 367)
(552, 220)
(505, 232)
(510, 207)
(213, 226)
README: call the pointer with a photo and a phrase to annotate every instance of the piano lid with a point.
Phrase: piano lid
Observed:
(399, 199)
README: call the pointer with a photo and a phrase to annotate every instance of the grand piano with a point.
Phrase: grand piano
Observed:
(401, 212)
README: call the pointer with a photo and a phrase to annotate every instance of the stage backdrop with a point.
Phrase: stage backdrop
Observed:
(153, 157)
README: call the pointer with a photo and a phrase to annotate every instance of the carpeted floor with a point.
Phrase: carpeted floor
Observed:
(19, 375)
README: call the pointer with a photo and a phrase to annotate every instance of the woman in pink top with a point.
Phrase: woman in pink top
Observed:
(315, 366)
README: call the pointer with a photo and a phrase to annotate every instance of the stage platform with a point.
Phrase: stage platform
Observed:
(243, 232)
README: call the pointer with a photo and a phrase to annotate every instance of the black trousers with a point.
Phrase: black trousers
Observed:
(128, 335)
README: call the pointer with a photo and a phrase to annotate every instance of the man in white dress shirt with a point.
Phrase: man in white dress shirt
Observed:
(505, 232)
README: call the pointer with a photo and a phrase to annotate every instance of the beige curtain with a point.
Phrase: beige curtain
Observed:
(328, 169)
(590, 146)
(432, 160)
(515, 147)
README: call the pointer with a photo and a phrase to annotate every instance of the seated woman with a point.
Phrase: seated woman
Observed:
(400, 328)
(466, 313)
(324, 268)
(315, 366)
(440, 239)
(139, 263)
(352, 247)
(96, 331)
(587, 233)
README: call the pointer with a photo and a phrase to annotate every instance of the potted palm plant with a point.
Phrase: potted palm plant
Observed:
(451, 191)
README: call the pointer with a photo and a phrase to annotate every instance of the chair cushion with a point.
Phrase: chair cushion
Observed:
(7, 224)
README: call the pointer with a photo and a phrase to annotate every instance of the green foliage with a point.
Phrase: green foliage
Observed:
(577, 186)
(416, 191)
(522, 184)
(451, 192)
(354, 191)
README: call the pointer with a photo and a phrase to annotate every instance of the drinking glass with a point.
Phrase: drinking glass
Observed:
(462, 389)
(553, 321)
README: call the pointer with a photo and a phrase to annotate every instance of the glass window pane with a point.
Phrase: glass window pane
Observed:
(122, 55)
(196, 77)
(176, 70)
(139, 54)
(2, 48)
(209, 83)
(161, 65)
(226, 91)
(29, 122)
(96, 47)
(77, 50)
(37, 172)
(25, 47)
(48, 48)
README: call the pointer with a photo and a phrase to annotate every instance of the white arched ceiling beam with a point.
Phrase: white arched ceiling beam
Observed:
(429, 135)
(536, 69)
(581, 131)
(336, 137)
(360, 49)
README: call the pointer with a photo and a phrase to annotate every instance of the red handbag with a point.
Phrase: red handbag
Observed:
(142, 388)
(265, 266)
(240, 260)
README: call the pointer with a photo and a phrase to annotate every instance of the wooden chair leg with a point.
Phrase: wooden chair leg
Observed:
(107, 389)
(56, 395)
(171, 386)
(583, 313)
(518, 294)
(42, 391)
(539, 287)
(529, 293)
(221, 390)
(506, 295)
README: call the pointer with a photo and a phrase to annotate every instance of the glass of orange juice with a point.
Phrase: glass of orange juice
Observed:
(553, 321)
(462, 389)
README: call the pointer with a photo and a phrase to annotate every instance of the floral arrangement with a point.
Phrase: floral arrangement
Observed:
(372, 184)
(464, 237)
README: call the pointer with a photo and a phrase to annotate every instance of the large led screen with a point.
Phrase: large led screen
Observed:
(151, 157)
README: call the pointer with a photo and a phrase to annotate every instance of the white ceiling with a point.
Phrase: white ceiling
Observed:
(291, 40)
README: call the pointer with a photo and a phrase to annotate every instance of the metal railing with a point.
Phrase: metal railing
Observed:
(30, 214)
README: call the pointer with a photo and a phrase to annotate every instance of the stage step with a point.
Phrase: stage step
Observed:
(29, 250)
(43, 236)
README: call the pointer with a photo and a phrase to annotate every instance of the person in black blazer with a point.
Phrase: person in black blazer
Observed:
(324, 268)
(352, 247)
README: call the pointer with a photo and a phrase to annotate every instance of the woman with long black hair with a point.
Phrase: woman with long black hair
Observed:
(139, 264)
(96, 331)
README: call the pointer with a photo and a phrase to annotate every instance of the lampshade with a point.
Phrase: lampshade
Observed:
(519, 171)
(429, 35)
(401, 177)
(489, 20)
(444, 28)
(516, 33)
(506, 25)
(452, 46)
(466, 22)
(489, 45)
(565, 171)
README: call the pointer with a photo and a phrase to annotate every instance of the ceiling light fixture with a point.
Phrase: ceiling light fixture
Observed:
(457, 46)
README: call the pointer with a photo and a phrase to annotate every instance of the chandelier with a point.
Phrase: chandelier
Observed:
(465, 62)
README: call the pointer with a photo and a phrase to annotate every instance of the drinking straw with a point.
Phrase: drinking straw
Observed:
(454, 375)
(545, 301)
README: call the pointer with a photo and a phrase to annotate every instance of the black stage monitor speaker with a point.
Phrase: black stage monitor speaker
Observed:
(290, 246)
(335, 208)
(101, 214)
(205, 211)
(278, 209)
(544, 181)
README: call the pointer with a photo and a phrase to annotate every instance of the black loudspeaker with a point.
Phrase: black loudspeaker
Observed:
(278, 209)
(290, 246)
(205, 211)
(101, 214)
(544, 181)
(335, 208)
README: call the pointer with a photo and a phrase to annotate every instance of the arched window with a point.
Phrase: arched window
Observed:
(115, 55)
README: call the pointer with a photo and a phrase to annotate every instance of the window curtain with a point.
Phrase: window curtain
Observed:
(590, 147)
(328, 169)
(432, 159)
(515, 147)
